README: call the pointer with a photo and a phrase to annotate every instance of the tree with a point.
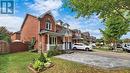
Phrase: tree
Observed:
(4, 34)
(104, 8)
(3, 30)
(115, 13)
(115, 28)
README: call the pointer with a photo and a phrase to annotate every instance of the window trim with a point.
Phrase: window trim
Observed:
(53, 40)
(48, 25)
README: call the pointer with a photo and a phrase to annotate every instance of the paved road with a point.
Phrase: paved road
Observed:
(99, 58)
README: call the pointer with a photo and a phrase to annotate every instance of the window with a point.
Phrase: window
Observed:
(48, 25)
(52, 40)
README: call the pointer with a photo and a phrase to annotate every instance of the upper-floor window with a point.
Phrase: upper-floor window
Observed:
(48, 25)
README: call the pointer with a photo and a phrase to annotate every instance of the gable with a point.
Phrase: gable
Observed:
(43, 21)
(29, 28)
(26, 18)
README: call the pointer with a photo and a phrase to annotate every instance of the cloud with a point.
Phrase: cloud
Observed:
(12, 23)
(41, 6)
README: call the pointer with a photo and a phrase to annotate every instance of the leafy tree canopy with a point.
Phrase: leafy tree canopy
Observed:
(104, 8)
(4, 34)
(115, 27)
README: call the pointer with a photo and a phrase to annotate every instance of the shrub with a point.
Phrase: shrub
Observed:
(42, 58)
(38, 65)
(32, 43)
(42, 62)
(54, 52)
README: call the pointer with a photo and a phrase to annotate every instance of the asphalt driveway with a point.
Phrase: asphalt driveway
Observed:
(100, 59)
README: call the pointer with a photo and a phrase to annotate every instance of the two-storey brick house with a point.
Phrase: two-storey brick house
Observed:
(48, 32)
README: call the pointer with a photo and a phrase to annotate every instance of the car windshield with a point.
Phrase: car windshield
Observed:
(78, 44)
(128, 44)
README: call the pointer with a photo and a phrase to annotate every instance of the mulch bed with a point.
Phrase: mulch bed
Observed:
(32, 70)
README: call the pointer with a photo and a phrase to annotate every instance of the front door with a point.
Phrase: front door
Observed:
(67, 45)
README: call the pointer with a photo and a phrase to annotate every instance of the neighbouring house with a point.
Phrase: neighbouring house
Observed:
(77, 36)
(93, 39)
(88, 38)
(15, 36)
(47, 32)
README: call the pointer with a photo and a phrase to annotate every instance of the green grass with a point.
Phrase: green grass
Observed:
(119, 50)
(18, 62)
(103, 49)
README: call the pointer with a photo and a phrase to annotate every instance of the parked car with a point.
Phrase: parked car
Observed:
(126, 47)
(82, 46)
(119, 45)
(93, 45)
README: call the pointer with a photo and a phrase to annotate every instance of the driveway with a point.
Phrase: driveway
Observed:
(100, 59)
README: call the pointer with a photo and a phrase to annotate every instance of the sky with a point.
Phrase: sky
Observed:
(14, 21)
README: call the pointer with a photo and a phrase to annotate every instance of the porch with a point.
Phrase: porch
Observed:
(56, 40)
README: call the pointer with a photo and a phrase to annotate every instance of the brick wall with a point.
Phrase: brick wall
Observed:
(43, 20)
(30, 29)
(17, 47)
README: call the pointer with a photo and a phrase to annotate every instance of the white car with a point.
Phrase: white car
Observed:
(126, 46)
(81, 46)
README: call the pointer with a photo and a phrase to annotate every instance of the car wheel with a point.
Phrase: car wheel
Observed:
(86, 49)
(128, 51)
(124, 49)
(74, 48)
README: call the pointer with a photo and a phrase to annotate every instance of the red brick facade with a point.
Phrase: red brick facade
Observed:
(33, 25)
(44, 19)
(29, 29)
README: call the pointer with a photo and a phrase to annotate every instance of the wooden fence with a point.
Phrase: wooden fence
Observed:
(4, 47)
(12, 47)
(17, 47)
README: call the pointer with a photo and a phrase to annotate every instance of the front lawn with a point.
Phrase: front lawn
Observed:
(17, 63)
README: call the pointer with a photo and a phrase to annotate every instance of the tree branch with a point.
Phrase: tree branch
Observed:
(118, 12)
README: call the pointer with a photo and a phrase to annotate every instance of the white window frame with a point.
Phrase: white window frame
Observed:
(48, 25)
(53, 40)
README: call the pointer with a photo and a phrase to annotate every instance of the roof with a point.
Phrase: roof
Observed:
(76, 30)
(59, 21)
(48, 12)
(51, 33)
(18, 32)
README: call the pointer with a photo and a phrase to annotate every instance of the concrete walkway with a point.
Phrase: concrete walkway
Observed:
(100, 58)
